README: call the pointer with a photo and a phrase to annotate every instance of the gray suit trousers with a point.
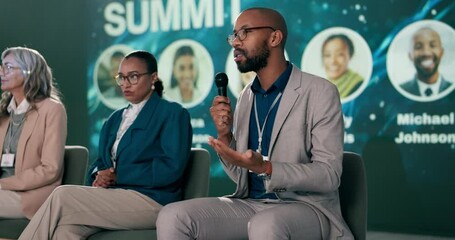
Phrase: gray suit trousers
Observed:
(232, 218)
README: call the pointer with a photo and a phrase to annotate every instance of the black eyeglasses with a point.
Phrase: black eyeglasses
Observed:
(132, 79)
(242, 33)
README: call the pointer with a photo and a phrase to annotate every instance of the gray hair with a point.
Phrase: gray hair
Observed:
(38, 83)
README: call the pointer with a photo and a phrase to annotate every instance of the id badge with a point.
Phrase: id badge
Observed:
(7, 160)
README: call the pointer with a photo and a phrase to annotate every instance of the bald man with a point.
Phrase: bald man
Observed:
(426, 53)
(282, 146)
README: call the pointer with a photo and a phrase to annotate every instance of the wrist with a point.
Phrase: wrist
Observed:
(266, 172)
(226, 138)
(267, 167)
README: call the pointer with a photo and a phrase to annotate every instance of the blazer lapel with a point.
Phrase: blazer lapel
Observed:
(141, 122)
(4, 121)
(243, 121)
(112, 136)
(444, 85)
(29, 125)
(287, 102)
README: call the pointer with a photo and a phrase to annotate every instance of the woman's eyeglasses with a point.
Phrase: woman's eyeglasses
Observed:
(132, 79)
(7, 69)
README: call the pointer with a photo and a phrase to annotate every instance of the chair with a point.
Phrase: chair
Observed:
(195, 185)
(75, 167)
(353, 194)
(76, 162)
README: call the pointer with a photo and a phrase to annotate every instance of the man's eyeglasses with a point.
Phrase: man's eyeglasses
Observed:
(133, 78)
(7, 69)
(242, 33)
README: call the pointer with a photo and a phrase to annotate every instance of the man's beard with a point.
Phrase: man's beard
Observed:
(255, 63)
(426, 73)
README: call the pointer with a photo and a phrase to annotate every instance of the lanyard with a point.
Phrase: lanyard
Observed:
(261, 129)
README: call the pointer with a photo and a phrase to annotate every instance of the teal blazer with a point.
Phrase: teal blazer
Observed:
(153, 152)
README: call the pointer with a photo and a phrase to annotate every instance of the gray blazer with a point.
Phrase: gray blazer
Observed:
(306, 147)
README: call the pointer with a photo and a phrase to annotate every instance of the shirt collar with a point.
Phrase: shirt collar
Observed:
(279, 84)
(434, 87)
(22, 108)
(135, 108)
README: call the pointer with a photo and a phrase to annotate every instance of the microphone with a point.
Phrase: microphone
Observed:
(221, 81)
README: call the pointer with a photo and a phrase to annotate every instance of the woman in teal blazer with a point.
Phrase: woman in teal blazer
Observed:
(143, 152)
(152, 154)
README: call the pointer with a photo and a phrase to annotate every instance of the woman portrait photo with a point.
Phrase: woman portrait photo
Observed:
(184, 76)
(187, 72)
(337, 51)
(105, 70)
(345, 60)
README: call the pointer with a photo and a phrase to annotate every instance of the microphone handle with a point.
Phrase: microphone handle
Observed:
(222, 91)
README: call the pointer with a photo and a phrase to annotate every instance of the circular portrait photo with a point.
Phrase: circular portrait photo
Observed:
(106, 68)
(237, 79)
(421, 60)
(341, 56)
(186, 70)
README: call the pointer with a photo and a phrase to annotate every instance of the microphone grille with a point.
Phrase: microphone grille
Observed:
(221, 79)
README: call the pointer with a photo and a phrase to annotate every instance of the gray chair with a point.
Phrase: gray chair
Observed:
(75, 167)
(353, 194)
(195, 185)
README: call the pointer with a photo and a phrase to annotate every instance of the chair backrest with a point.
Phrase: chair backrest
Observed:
(197, 173)
(353, 194)
(75, 165)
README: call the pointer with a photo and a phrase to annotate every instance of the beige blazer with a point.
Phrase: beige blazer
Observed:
(39, 156)
(306, 147)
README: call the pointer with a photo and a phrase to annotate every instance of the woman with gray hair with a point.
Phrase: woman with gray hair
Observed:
(33, 132)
